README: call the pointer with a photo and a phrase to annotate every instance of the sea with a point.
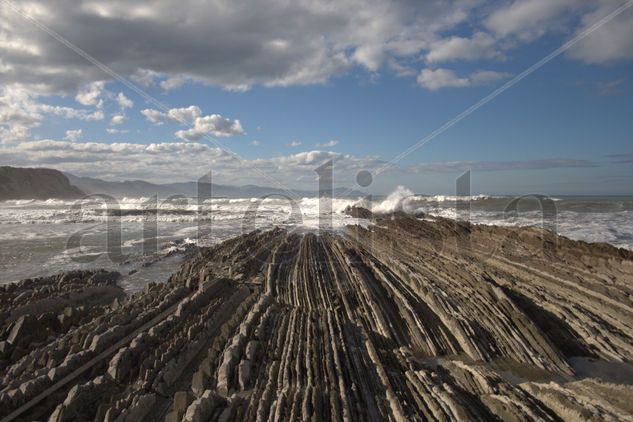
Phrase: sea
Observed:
(145, 239)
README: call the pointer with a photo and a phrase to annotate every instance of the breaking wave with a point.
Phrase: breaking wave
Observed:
(593, 219)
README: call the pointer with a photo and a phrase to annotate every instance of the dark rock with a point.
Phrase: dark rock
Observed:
(358, 212)
(104, 277)
(25, 330)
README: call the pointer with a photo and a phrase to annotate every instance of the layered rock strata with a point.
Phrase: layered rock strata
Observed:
(406, 319)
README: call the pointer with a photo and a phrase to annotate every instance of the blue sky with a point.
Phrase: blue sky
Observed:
(360, 98)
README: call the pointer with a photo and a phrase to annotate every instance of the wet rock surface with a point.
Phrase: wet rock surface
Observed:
(406, 319)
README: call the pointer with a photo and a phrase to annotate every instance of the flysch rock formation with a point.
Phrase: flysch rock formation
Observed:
(406, 319)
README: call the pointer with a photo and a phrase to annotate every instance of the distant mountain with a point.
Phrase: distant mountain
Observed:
(35, 183)
(139, 188)
(129, 188)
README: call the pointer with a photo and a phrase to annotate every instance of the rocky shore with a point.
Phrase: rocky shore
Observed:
(406, 319)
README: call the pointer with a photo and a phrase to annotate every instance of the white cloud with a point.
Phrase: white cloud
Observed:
(72, 113)
(435, 79)
(90, 94)
(481, 45)
(292, 43)
(255, 143)
(179, 161)
(401, 69)
(173, 82)
(301, 42)
(145, 77)
(117, 119)
(609, 43)
(295, 143)
(20, 112)
(214, 125)
(234, 44)
(115, 131)
(305, 42)
(124, 102)
(13, 133)
(154, 116)
(483, 77)
(73, 135)
(183, 115)
(528, 19)
(522, 21)
(328, 144)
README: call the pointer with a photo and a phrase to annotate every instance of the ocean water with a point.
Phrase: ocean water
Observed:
(145, 239)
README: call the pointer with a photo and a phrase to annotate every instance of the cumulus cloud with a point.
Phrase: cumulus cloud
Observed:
(169, 162)
(609, 43)
(481, 45)
(183, 115)
(528, 19)
(328, 144)
(145, 77)
(91, 94)
(123, 101)
(72, 113)
(214, 125)
(240, 44)
(115, 131)
(435, 79)
(401, 69)
(255, 143)
(295, 143)
(20, 112)
(154, 116)
(13, 133)
(73, 135)
(117, 119)
(173, 82)
(232, 44)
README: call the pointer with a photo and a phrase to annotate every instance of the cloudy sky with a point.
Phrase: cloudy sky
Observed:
(266, 91)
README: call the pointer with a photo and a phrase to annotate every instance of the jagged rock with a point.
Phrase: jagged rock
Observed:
(182, 400)
(32, 387)
(251, 349)
(358, 212)
(100, 341)
(5, 348)
(200, 410)
(24, 330)
(104, 277)
(244, 373)
(115, 304)
(405, 319)
(121, 364)
(66, 318)
(140, 408)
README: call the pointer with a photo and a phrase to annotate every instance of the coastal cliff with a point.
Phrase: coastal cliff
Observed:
(35, 183)
(405, 319)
